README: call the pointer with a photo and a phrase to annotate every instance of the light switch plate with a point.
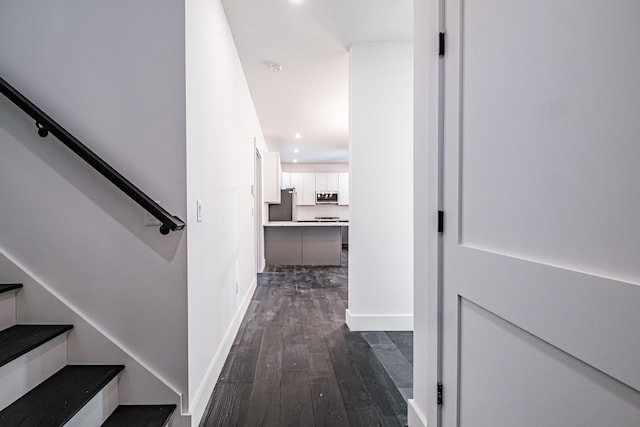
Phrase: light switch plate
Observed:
(199, 210)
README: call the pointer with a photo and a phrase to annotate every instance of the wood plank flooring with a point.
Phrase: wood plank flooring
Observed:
(295, 363)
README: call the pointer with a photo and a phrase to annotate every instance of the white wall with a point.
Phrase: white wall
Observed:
(381, 194)
(311, 212)
(112, 73)
(315, 167)
(221, 126)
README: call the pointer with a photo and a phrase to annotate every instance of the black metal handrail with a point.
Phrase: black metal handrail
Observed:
(46, 124)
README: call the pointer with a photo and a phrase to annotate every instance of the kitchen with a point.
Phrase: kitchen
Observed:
(308, 212)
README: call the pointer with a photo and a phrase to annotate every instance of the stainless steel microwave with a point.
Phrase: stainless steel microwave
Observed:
(326, 198)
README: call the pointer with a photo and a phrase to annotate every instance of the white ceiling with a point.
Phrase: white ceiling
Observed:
(311, 40)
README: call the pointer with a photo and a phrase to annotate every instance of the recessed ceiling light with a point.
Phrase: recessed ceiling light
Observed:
(296, 1)
(298, 136)
(295, 160)
(295, 150)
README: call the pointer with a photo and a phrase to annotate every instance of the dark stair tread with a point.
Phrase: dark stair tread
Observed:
(20, 339)
(10, 287)
(60, 397)
(140, 416)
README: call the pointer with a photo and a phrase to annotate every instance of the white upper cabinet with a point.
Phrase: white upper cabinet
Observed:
(326, 182)
(305, 185)
(272, 175)
(286, 180)
(297, 182)
(343, 188)
(309, 194)
(332, 182)
(321, 181)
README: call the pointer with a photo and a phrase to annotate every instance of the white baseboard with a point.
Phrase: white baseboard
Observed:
(359, 322)
(201, 397)
(415, 417)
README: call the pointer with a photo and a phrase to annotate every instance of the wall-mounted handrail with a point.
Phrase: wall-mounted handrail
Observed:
(46, 125)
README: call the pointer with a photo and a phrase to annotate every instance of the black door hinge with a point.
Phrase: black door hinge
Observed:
(440, 221)
(439, 394)
(441, 45)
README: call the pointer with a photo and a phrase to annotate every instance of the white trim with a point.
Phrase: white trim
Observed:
(383, 322)
(415, 417)
(200, 399)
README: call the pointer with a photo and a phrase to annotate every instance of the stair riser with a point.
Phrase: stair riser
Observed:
(24, 373)
(98, 409)
(7, 309)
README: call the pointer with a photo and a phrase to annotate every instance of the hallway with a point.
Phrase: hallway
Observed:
(294, 361)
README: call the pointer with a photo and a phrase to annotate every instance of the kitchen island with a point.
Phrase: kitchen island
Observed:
(303, 243)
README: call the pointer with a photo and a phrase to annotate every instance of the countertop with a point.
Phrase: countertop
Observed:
(305, 224)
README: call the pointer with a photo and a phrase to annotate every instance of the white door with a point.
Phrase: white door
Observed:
(541, 197)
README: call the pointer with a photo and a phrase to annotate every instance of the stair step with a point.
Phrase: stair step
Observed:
(140, 416)
(10, 287)
(20, 339)
(60, 397)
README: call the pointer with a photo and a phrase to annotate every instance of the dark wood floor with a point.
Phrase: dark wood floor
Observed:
(295, 363)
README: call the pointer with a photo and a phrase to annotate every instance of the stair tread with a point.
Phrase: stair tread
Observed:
(140, 416)
(9, 287)
(56, 400)
(20, 339)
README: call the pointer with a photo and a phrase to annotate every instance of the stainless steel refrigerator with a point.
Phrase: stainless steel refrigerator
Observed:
(287, 209)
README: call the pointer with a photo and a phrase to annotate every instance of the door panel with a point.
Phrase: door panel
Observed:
(541, 246)
(550, 90)
(555, 389)
(588, 316)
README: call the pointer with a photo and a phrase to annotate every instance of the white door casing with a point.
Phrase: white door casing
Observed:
(541, 193)
(258, 209)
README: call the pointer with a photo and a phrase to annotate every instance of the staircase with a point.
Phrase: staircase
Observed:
(39, 389)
